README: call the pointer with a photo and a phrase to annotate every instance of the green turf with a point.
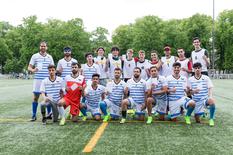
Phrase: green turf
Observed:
(22, 137)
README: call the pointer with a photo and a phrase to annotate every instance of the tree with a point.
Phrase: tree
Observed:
(4, 52)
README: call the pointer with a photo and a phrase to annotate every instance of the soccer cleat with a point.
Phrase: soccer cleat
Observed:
(62, 122)
(33, 119)
(149, 120)
(44, 120)
(68, 117)
(211, 122)
(84, 118)
(187, 120)
(106, 118)
(49, 116)
(122, 120)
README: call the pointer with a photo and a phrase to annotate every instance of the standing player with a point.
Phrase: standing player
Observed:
(128, 65)
(200, 55)
(185, 63)
(143, 64)
(74, 86)
(102, 62)
(156, 89)
(114, 61)
(51, 92)
(167, 62)
(116, 90)
(155, 59)
(94, 94)
(177, 87)
(137, 96)
(64, 64)
(39, 65)
(201, 88)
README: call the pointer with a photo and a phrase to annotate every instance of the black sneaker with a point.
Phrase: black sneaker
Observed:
(44, 120)
(33, 119)
(50, 116)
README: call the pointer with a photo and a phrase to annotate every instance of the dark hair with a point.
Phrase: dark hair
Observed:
(95, 75)
(154, 67)
(196, 38)
(67, 49)
(100, 48)
(117, 69)
(75, 63)
(138, 69)
(115, 48)
(197, 64)
(87, 54)
(51, 66)
(176, 64)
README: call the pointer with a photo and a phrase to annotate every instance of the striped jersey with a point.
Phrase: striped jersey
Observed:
(158, 82)
(88, 71)
(203, 84)
(180, 84)
(52, 88)
(137, 90)
(116, 91)
(65, 66)
(41, 63)
(93, 96)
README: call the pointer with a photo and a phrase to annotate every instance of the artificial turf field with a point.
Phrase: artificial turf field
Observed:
(19, 136)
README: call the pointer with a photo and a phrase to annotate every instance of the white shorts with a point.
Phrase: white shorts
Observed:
(136, 106)
(161, 106)
(174, 106)
(115, 110)
(36, 86)
(92, 110)
(200, 106)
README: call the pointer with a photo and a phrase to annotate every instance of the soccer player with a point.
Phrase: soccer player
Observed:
(185, 63)
(114, 61)
(39, 65)
(137, 96)
(167, 62)
(143, 64)
(200, 55)
(156, 89)
(201, 89)
(102, 62)
(51, 92)
(90, 67)
(155, 59)
(128, 65)
(177, 87)
(115, 91)
(94, 94)
(64, 64)
(74, 85)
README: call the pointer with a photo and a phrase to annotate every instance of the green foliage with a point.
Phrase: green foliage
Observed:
(13, 65)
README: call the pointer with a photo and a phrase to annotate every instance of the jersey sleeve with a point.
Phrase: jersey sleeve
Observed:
(59, 65)
(185, 84)
(32, 61)
(148, 84)
(209, 83)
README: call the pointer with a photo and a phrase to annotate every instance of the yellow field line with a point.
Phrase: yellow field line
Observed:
(91, 144)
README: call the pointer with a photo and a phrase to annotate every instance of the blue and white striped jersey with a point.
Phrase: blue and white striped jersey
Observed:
(93, 96)
(52, 88)
(116, 91)
(65, 66)
(203, 84)
(41, 63)
(137, 90)
(180, 84)
(88, 71)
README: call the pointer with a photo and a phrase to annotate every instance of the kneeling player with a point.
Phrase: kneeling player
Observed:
(94, 94)
(201, 90)
(137, 95)
(156, 89)
(177, 87)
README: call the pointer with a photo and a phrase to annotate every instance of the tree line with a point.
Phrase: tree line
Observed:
(18, 43)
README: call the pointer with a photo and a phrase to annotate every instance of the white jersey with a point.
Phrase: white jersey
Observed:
(197, 56)
(159, 82)
(166, 68)
(52, 88)
(145, 65)
(137, 90)
(184, 64)
(93, 96)
(116, 91)
(88, 71)
(101, 61)
(41, 63)
(65, 66)
(114, 64)
(204, 83)
(128, 67)
(180, 84)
